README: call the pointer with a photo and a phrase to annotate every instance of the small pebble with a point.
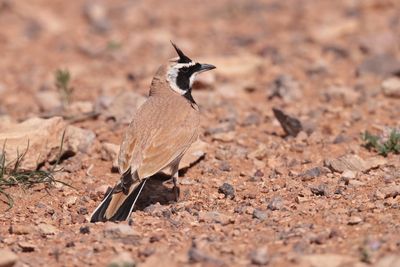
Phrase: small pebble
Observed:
(227, 190)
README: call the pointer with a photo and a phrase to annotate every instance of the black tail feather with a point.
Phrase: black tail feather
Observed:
(124, 209)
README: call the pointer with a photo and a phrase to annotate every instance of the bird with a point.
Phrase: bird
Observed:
(161, 131)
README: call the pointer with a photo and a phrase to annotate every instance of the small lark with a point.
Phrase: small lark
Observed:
(161, 131)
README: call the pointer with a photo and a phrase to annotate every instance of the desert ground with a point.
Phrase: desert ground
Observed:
(281, 175)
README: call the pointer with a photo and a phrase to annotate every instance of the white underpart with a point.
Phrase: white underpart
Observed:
(172, 74)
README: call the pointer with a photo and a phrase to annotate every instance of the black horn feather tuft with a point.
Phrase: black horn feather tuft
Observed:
(182, 57)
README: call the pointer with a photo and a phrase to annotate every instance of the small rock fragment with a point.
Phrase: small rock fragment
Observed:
(383, 64)
(84, 229)
(70, 201)
(320, 190)
(259, 214)
(286, 87)
(290, 125)
(391, 87)
(389, 191)
(225, 166)
(47, 229)
(252, 119)
(109, 151)
(260, 153)
(227, 190)
(96, 13)
(48, 100)
(312, 173)
(259, 256)
(115, 231)
(276, 203)
(195, 255)
(224, 137)
(347, 95)
(214, 216)
(347, 174)
(78, 140)
(20, 229)
(26, 247)
(7, 258)
(354, 220)
(123, 259)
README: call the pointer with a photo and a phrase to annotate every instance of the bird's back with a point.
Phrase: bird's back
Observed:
(162, 129)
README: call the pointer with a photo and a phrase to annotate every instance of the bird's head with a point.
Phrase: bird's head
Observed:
(182, 71)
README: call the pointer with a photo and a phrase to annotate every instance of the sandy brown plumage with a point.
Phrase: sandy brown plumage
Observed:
(161, 131)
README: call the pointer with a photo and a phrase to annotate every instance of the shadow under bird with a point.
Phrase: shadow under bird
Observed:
(160, 133)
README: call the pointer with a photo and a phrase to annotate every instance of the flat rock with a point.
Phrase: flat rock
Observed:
(391, 87)
(195, 152)
(40, 139)
(347, 162)
(7, 258)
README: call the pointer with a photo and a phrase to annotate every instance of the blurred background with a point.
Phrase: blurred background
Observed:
(103, 42)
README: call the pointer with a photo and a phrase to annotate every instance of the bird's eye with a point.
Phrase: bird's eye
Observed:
(184, 70)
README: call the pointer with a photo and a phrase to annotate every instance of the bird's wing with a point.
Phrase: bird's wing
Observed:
(149, 147)
(129, 152)
(166, 145)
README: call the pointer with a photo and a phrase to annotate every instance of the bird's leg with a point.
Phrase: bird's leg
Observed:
(175, 181)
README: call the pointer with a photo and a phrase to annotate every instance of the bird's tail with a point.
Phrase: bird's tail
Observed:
(118, 203)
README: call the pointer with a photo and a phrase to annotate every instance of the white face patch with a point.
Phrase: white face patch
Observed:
(192, 78)
(172, 74)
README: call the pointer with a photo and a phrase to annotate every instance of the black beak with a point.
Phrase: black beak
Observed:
(206, 67)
